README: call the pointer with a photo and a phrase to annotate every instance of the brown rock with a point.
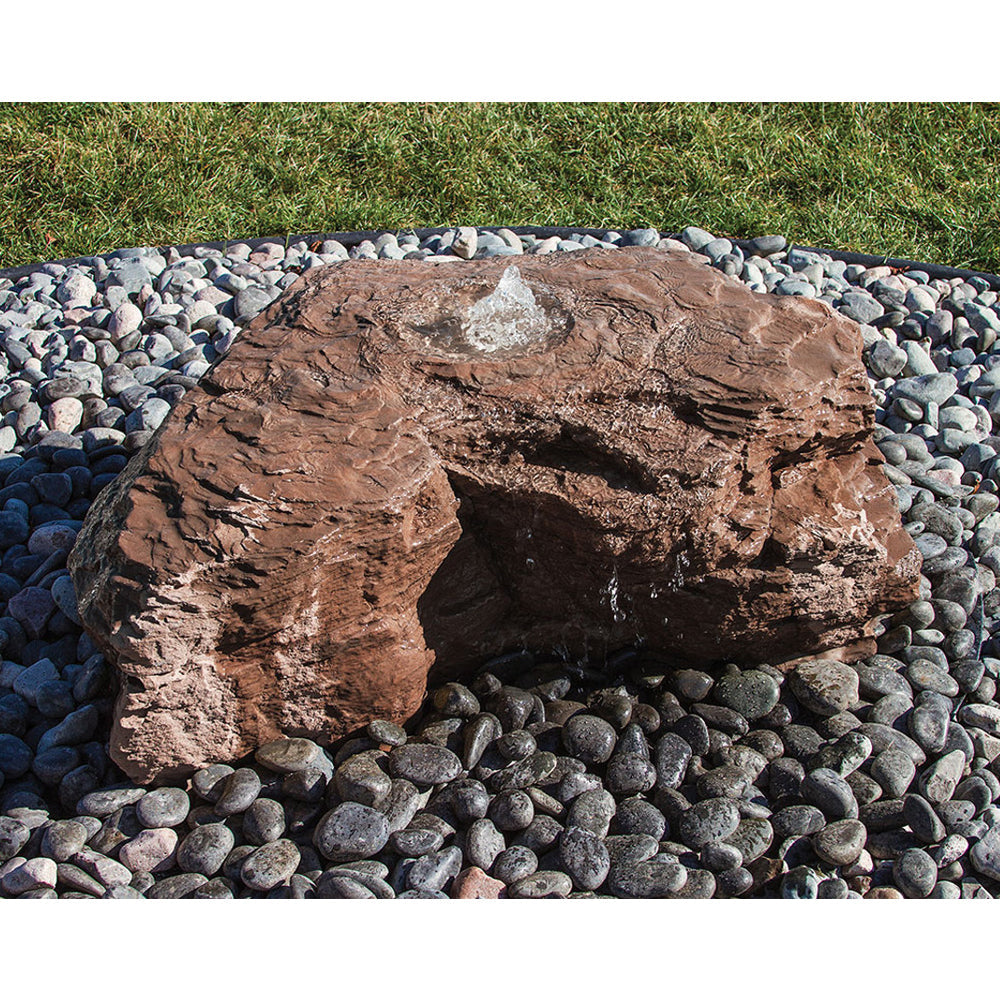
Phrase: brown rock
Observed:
(373, 484)
(884, 892)
(474, 883)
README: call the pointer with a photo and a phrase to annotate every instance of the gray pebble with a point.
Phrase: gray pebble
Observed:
(270, 865)
(424, 764)
(163, 807)
(584, 857)
(350, 832)
(205, 849)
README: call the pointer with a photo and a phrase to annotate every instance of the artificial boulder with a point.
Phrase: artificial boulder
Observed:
(403, 467)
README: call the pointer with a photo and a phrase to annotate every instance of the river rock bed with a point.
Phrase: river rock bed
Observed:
(615, 777)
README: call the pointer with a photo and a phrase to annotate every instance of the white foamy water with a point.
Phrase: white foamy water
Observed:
(508, 317)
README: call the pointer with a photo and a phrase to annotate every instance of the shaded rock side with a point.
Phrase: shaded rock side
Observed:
(375, 484)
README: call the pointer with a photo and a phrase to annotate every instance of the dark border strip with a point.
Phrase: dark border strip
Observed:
(354, 238)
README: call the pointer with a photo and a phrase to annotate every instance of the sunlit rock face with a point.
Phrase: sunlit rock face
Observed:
(403, 468)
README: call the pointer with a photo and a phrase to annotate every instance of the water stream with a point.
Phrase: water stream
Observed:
(508, 317)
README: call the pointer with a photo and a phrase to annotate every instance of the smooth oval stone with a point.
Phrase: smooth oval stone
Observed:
(512, 707)
(923, 820)
(915, 873)
(589, 738)
(514, 864)
(731, 883)
(542, 885)
(631, 847)
(865, 789)
(511, 811)
(106, 870)
(829, 792)
(724, 719)
(927, 676)
(343, 887)
(238, 791)
(593, 811)
(371, 880)
(13, 836)
(721, 857)
(414, 843)
(29, 875)
(401, 805)
(540, 834)
(637, 816)
(468, 799)
(124, 892)
(205, 849)
(752, 693)
(545, 803)
(71, 877)
(15, 756)
(483, 842)
(727, 781)
(671, 757)
(884, 736)
(700, 884)
(647, 879)
(455, 699)
(841, 842)
(350, 832)
(938, 780)
(263, 822)
(152, 850)
(753, 837)
(216, 888)
(797, 821)
(833, 888)
(479, 733)
(360, 779)
(848, 753)
(985, 854)
(388, 733)
(270, 865)
(801, 742)
(584, 857)
(766, 742)
(424, 763)
(163, 807)
(436, 870)
(785, 777)
(176, 887)
(287, 755)
(876, 680)
(949, 850)
(708, 821)
(517, 745)
(63, 838)
(894, 771)
(530, 771)
(629, 774)
(307, 785)
(208, 781)
(825, 687)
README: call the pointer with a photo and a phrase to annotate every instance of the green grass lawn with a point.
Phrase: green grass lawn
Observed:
(908, 180)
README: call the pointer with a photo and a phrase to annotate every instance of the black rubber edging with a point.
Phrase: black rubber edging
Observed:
(351, 239)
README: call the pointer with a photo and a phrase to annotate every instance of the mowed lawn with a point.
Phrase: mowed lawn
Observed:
(906, 180)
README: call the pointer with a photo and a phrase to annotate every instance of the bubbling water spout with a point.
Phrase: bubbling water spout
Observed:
(508, 317)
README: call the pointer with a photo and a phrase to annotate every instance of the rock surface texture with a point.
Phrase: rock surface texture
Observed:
(402, 468)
